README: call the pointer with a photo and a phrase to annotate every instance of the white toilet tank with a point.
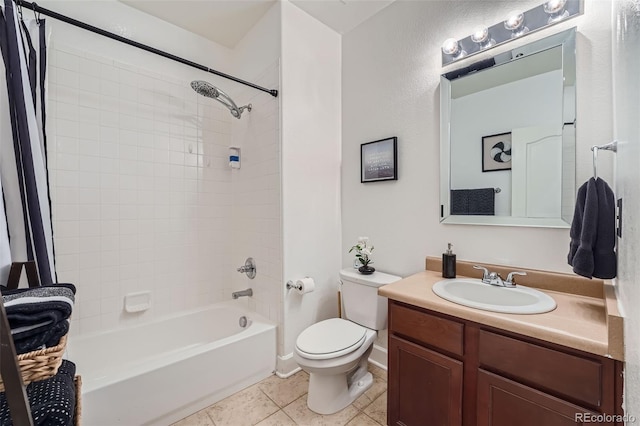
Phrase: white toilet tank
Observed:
(360, 298)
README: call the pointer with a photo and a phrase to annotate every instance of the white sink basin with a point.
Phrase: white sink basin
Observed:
(476, 294)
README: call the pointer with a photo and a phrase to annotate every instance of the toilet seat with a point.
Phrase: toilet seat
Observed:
(330, 338)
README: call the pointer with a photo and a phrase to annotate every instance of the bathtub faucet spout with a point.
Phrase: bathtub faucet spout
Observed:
(247, 292)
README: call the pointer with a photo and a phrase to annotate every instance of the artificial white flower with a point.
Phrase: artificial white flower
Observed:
(362, 251)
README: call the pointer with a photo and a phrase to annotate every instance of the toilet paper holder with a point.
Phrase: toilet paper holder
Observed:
(292, 285)
(301, 286)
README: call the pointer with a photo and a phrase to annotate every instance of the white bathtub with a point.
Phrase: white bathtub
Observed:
(160, 372)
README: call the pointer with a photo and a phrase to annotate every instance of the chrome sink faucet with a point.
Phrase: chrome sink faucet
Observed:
(494, 278)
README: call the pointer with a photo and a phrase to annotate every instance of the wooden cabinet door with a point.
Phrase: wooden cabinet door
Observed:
(425, 387)
(502, 402)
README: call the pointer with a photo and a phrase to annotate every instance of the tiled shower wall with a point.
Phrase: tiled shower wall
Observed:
(256, 211)
(141, 189)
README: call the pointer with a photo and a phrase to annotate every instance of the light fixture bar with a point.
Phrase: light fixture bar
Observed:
(516, 25)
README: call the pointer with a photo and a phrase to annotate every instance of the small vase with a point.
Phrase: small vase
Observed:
(366, 270)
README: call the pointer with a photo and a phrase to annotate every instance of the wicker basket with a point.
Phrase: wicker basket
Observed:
(78, 416)
(40, 364)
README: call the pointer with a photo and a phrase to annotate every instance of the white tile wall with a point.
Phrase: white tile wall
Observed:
(141, 189)
(256, 206)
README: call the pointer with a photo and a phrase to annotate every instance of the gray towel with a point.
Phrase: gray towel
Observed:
(593, 231)
(473, 201)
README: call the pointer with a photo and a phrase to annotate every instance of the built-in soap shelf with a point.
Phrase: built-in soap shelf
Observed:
(137, 302)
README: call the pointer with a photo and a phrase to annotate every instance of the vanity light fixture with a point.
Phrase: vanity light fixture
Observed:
(517, 24)
(555, 10)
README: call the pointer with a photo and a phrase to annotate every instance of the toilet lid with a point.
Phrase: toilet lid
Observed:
(330, 338)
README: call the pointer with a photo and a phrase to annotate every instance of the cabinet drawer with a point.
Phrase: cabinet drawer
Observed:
(556, 372)
(429, 329)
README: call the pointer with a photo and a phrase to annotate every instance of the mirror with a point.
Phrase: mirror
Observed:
(507, 137)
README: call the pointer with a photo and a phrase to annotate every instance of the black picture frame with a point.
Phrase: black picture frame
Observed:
(379, 160)
(496, 152)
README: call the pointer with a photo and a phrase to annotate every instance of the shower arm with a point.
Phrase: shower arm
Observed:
(210, 91)
(229, 103)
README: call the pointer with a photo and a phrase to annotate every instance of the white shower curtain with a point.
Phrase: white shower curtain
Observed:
(25, 207)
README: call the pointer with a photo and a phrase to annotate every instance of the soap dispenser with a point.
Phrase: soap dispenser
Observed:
(449, 263)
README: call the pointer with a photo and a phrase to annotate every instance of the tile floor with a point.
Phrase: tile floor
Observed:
(283, 402)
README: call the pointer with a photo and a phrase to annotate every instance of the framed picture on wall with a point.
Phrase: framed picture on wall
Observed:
(378, 160)
(496, 152)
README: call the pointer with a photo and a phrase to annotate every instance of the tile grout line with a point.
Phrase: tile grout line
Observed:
(281, 408)
(270, 399)
(288, 416)
(371, 418)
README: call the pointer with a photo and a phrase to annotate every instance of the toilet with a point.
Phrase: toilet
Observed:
(335, 351)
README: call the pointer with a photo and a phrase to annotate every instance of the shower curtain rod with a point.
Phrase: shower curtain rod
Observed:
(33, 6)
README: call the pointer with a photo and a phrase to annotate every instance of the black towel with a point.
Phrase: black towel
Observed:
(473, 201)
(52, 401)
(32, 311)
(47, 338)
(593, 231)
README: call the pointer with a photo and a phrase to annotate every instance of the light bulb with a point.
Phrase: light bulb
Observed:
(555, 10)
(554, 6)
(480, 35)
(515, 23)
(451, 47)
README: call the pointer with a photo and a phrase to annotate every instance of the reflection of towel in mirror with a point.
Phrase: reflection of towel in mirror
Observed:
(473, 201)
(593, 233)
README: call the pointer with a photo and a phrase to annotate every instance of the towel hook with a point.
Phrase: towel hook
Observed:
(611, 146)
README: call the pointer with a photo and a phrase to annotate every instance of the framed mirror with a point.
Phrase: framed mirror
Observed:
(508, 137)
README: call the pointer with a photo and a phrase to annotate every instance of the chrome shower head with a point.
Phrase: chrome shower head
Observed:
(205, 89)
(210, 91)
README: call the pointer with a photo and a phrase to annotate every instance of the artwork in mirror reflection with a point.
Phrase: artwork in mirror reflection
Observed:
(516, 120)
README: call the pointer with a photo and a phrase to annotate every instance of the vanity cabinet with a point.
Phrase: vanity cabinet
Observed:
(449, 371)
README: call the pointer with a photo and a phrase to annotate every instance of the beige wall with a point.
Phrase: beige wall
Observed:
(626, 67)
(391, 72)
(311, 115)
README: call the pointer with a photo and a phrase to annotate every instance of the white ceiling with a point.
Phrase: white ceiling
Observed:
(342, 15)
(227, 21)
(222, 21)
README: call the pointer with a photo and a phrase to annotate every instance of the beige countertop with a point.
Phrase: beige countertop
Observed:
(581, 322)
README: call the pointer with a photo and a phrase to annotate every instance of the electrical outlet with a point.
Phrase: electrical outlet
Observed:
(619, 218)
